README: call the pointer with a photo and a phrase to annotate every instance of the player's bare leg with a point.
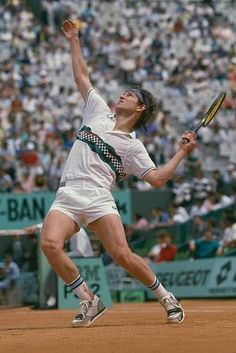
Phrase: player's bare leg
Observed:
(110, 231)
(57, 228)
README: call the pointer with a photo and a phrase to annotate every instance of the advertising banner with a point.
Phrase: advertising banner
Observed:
(198, 278)
(23, 210)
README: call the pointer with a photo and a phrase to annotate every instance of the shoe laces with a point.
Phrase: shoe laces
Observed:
(170, 302)
(84, 307)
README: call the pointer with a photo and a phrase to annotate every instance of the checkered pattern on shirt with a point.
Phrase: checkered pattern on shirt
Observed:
(105, 151)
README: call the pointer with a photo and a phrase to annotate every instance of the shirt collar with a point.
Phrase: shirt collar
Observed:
(131, 135)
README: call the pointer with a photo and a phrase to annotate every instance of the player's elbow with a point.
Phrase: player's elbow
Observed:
(157, 184)
(156, 178)
(81, 78)
(78, 80)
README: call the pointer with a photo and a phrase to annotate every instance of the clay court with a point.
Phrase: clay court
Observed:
(210, 326)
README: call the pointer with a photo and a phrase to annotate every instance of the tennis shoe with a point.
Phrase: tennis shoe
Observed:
(175, 313)
(89, 311)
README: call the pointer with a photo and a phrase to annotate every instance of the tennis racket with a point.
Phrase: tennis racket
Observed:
(209, 115)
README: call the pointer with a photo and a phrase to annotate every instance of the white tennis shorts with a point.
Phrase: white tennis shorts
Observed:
(83, 202)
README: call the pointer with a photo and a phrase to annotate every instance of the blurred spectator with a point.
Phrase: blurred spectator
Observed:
(206, 247)
(229, 234)
(6, 182)
(164, 250)
(80, 245)
(214, 226)
(211, 202)
(9, 273)
(168, 250)
(178, 214)
(201, 185)
(182, 190)
(159, 218)
(198, 226)
(229, 175)
(218, 180)
(140, 223)
(198, 208)
(156, 249)
(39, 183)
(215, 201)
(225, 200)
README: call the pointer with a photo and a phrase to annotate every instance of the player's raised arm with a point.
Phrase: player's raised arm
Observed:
(80, 70)
(158, 178)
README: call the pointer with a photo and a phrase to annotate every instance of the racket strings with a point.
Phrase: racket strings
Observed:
(213, 109)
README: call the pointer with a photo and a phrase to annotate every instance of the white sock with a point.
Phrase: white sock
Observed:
(158, 289)
(81, 289)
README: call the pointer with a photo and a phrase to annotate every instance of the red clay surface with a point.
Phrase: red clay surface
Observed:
(210, 326)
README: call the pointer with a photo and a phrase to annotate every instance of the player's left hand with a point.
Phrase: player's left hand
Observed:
(188, 141)
(69, 29)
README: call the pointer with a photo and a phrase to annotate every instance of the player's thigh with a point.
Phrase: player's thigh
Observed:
(110, 231)
(57, 227)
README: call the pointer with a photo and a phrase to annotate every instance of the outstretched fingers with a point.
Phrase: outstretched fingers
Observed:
(67, 26)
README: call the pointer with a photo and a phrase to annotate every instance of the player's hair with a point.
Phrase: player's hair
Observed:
(150, 113)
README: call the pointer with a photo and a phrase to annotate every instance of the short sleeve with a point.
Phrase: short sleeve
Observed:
(138, 160)
(95, 107)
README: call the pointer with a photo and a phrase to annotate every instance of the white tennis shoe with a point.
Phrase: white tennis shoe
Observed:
(175, 313)
(89, 311)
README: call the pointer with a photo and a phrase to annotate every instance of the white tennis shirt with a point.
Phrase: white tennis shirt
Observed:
(100, 155)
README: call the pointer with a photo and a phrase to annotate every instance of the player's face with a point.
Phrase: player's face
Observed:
(128, 102)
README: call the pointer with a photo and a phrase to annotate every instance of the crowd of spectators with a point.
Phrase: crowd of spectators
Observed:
(207, 239)
(204, 229)
(183, 51)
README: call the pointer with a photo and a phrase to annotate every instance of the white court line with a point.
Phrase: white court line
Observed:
(220, 310)
(211, 309)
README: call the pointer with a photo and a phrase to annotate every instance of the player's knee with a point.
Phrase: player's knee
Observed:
(50, 245)
(123, 257)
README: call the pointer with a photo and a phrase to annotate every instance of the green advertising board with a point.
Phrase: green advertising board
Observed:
(223, 279)
(23, 210)
(198, 278)
(123, 202)
(93, 272)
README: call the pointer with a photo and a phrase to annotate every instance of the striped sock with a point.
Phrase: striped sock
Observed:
(158, 289)
(81, 289)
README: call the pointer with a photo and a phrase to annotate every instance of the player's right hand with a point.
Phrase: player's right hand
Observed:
(69, 29)
(188, 141)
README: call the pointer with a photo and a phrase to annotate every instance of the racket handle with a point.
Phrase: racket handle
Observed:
(185, 140)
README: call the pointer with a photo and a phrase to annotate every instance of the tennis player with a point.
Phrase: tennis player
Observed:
(105, 152)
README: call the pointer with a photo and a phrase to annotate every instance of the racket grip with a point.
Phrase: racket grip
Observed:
(185, 140)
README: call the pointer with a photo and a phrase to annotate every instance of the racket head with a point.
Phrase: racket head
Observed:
(211, 112)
